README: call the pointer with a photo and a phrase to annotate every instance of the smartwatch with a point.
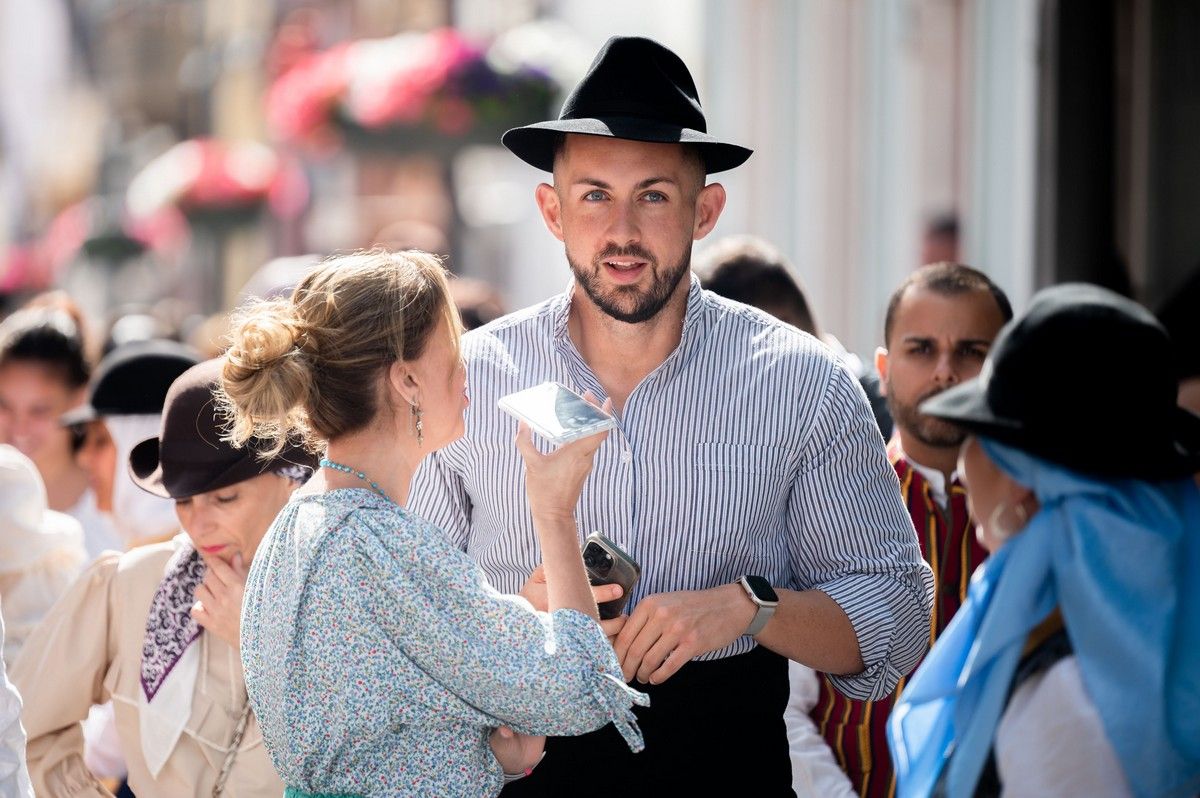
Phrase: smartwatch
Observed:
(764, 597)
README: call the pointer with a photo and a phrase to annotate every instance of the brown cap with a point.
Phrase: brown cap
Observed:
(188, 456)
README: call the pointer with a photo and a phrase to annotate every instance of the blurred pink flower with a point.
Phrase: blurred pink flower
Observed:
(437, 79)
(210, 174)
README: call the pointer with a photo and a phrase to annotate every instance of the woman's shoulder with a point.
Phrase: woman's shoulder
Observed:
(354, 518)
(152, 558)
(143, 566)
(1051, 735)
(136, 574)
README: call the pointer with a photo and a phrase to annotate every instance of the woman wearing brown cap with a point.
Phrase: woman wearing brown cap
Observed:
(378, 659)
(156, 629)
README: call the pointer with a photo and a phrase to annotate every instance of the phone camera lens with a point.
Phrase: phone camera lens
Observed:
(597, 560)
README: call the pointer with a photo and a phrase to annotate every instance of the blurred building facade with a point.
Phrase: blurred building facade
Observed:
(1040, 140)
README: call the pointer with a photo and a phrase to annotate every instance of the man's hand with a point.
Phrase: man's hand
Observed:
(534, 591)
(515, 752)
(218, 606)
(667, 630)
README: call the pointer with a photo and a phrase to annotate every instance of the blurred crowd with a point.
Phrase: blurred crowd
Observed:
(76, 398)
(1046, 458)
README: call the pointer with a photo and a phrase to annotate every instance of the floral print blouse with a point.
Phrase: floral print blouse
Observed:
(378, 659)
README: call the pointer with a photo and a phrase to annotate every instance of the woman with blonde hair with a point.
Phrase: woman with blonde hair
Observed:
(378, 659)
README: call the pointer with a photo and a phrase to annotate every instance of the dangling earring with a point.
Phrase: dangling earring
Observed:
(1001, 530)
(418, 424)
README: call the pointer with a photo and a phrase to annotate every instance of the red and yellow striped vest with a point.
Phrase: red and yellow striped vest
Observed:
(857, 730)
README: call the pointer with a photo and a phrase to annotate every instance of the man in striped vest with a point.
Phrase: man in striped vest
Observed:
(939, 326)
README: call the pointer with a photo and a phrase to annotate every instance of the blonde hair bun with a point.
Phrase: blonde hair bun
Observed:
(311, 367)
(266, 373)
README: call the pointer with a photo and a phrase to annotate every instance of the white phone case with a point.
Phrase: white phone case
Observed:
(556, 412)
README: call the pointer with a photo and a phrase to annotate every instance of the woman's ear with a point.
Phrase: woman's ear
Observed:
(404, 382)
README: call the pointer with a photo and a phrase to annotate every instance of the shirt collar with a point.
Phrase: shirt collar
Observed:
(935, 479)
(692, 316)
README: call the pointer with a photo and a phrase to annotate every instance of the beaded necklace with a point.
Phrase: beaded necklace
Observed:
(325, 462)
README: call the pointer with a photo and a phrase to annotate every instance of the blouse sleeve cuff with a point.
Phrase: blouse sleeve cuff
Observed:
(608, 688)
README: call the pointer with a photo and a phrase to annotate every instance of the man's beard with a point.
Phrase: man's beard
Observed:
(628, 303)
(927, 429)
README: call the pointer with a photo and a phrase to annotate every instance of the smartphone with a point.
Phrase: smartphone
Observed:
(556, 412)
(607, 564)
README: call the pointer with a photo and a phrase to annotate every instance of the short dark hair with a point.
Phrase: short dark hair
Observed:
(751, 271)
(943, 224)
(947, 279)
(48, 331)
(690, 151)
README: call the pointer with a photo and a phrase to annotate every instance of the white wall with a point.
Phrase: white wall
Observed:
(1000, 214)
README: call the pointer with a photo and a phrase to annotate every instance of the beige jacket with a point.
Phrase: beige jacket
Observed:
(88, 650)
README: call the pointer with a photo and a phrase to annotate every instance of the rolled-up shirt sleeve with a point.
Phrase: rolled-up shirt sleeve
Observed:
(853, 539)
(540, 673)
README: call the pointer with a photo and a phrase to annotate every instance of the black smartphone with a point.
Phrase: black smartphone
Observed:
(607, 564)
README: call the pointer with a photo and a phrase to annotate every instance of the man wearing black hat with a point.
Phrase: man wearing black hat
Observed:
(746, 474)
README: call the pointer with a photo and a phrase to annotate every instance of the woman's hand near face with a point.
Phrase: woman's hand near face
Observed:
(554, 481)
(218, 606)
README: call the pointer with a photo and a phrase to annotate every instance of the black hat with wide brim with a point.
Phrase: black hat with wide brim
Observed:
(636, 89)
(1085, 379)
(133, 379)
(189, 457)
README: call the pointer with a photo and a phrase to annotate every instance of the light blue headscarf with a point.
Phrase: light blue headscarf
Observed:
(1121, 559)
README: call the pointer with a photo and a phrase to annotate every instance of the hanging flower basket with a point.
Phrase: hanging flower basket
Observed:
(219, 183)
(431, 91)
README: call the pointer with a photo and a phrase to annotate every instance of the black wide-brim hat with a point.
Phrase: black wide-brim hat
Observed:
(189, 457)
(133, 379)
(1085, 379)
(635, 89)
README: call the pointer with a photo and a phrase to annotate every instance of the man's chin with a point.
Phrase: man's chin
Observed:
(941, 434)
(628, 306)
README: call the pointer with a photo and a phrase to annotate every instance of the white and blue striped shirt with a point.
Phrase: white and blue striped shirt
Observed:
(749, 450)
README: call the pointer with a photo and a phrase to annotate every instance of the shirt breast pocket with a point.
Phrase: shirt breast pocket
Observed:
(741, 499)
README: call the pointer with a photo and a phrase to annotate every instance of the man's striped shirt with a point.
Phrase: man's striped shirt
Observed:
(749, 450)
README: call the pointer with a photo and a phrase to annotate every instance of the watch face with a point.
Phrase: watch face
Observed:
(762, 589)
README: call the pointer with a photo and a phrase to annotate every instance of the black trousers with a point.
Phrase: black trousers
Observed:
(714, 727)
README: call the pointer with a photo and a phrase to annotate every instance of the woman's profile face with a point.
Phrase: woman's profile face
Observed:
(233, 520)
(992, 496)
(443, 378)
(32, 398)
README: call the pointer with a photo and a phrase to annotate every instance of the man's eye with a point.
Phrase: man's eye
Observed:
(593, 196)
(183, 502)
(226, 499)
(655, 196)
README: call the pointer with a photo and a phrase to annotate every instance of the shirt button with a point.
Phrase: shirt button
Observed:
(626, 457)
